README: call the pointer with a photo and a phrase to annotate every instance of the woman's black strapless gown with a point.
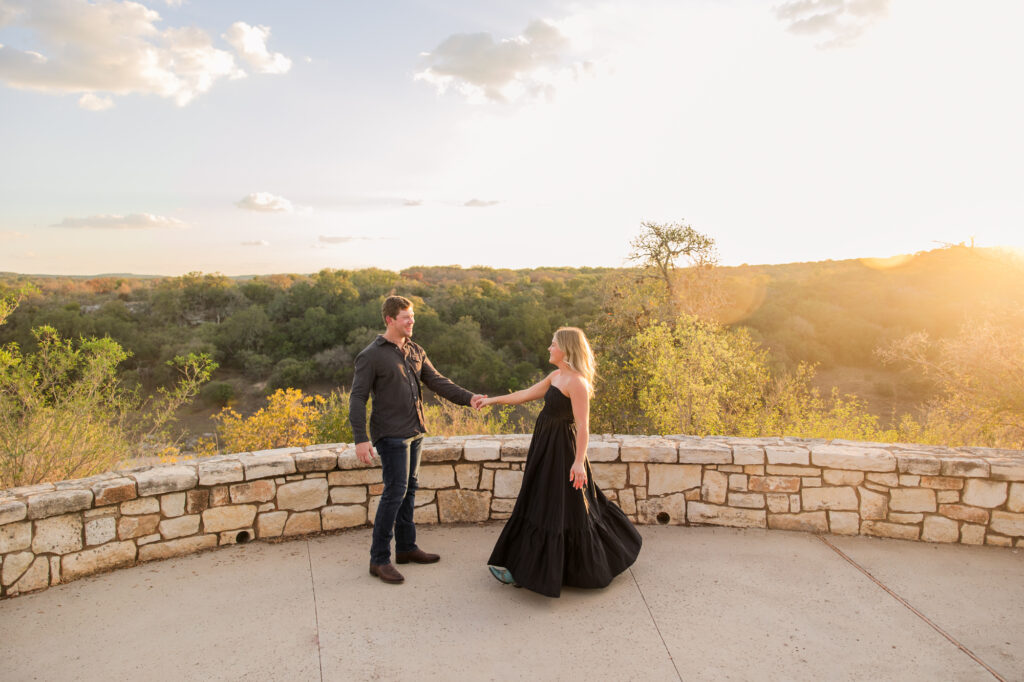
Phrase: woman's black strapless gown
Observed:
(558, 535)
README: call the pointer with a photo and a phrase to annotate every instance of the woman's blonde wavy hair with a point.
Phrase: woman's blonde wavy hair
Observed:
(578, 356)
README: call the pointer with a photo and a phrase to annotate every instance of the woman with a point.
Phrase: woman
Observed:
(563, 530)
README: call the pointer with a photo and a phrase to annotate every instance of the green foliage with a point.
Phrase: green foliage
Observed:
(217, 393)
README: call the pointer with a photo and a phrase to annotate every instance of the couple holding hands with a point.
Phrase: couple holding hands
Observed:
(562, 531)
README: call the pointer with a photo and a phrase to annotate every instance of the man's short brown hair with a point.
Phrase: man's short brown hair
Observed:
(394, 305)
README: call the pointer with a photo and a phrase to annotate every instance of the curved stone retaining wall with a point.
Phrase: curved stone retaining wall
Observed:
(52, 533)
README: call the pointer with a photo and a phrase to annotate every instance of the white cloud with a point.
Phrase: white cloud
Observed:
(412, 202)
(324, 239)
(93, 102)
(479, 203)
(256, 242)
(134, 221)
(250, 42)
(265, 202)
(111, 47)
(481, 68)
(835, 23)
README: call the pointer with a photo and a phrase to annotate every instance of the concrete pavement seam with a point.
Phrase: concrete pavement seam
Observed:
(651, 614)
(316, 614)
(913, 610)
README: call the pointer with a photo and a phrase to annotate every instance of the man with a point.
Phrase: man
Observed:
(391, 369)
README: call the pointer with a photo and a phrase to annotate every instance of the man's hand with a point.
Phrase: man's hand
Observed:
(365, 453)
(477, 402)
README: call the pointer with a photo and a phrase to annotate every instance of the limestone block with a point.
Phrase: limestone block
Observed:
(89, 561)
(58, 502)
(698, 512)
(852, 458)
(627, 501)
(704, 452)
(982, 493)
(425, 515)
(747, 500)
(912, 500)
(794, 503)
(515, 450)
(810, 522)
(911, 481)
(738, 482)
(342, 516)
(348, 494)
(316, 460)
(754, 469)
(467, 475)
(942, 482)
(179, 547)
(11, 511)
(839, 498)
(1007, 523)
(482, 450)
(228, 518)
(637, 474)
(874, 506)
(136, 526)
(271, 524)
(219, 496)
(435, 476)
(998, 541)
(730, 468)
(947, 496)
(302, 495)
(672, 478)
(774, 484)
(778, 503)
(371, 508)
(840, 477)
(486, 479)
(747, 454)
(456, 506)
(172, 504)
(905, 517)
(792, 470)
(1008, 470)
(968, 467)
(114, 491)
(235, 537)
(940, 529)
(811, 482)
(648, 449)
(787, 454)
(891, 480)
(610, 476)
(36, 577)
(165, 479)
(143, 505)
(356, 477)
(15, 536)
(507, 483)
(444, 451)
(844, 523)
(100, 530)
(220, 472)
(502, 505)
(692, 495)
(715, 487)
(1015, 502)
(918, 463)
(670, 510)
(255, 491)
(962, 512)
(303, 523)
(57, 534)
(14, 567)
(272, 463)
(884, 529)
(971, 534)
(179, 527)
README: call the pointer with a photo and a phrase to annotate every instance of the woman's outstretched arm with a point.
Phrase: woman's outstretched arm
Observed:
(534, 392)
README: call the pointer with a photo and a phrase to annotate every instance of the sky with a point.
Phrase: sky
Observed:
(254, 137)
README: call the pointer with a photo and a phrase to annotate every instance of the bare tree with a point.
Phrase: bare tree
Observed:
(659, 246)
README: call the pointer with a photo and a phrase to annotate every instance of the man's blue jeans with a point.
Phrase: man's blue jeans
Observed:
(400, 464)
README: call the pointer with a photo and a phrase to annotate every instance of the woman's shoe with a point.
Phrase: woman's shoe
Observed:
(502, 575)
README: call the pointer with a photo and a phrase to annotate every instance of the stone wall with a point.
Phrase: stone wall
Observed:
(53, 533)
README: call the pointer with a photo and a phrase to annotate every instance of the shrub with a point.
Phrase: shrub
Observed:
(218, 393)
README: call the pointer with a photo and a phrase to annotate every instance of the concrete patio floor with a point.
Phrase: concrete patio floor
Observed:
(700, 603)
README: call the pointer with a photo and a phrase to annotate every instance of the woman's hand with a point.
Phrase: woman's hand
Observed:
(578, 475)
